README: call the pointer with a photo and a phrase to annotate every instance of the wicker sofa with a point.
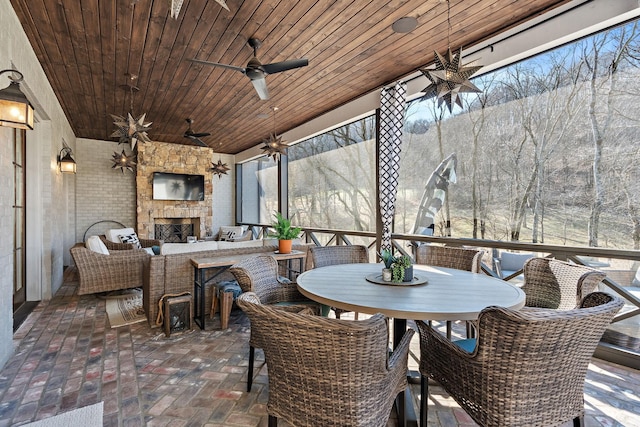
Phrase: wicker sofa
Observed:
(173, 273)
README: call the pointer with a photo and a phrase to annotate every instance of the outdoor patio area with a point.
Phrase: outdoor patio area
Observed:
(68, 357)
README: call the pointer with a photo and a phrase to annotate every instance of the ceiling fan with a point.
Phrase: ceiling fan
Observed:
(195, 137)
(256, 71)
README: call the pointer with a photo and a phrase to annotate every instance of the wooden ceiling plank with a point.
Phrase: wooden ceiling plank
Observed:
(69, 76)
(349, 44)
(244, 99)
(30, 26)
(106, 45)
(231, 42)
(193, 30)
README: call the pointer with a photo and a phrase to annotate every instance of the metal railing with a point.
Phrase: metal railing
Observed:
(615, 346)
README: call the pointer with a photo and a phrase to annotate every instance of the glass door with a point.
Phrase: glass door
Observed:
(19, 264)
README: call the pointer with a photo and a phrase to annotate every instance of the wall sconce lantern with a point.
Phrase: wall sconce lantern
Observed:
(66, 162)
(15, 109)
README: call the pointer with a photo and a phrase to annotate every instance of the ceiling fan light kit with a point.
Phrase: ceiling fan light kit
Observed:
(256, 71)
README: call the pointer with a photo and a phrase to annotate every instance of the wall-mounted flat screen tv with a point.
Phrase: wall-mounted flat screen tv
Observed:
(177, 186)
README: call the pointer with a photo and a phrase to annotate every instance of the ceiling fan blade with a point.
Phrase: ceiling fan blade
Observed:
(278, 67)
(196, 140)
(260, 85)
(230, 67)
(201, 134)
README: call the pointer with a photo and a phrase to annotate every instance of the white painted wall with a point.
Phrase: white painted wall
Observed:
(224, 194)
(49, 202)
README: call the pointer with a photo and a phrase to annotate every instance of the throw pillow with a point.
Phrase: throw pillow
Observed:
(131, 238)
(230, 233)
(96, 245)
(113, 235)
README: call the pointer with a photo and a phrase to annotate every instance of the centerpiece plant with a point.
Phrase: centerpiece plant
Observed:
(400, 267)
(284, 232)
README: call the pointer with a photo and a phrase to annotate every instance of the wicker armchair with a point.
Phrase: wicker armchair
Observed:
(328, 372)
(103, 273)
(260, 275)
(145, 243)
(528, 367)
(338, 254)
(450, 257)
(550, 283)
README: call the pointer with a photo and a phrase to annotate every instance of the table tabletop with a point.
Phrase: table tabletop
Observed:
(449, 294)
(222, 261)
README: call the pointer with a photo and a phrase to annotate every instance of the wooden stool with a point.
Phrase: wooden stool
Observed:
(223, 295)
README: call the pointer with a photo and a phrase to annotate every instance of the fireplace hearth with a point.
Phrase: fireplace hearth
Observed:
(173, 233)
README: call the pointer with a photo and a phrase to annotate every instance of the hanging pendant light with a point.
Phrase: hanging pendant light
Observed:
(274, 146)
(219, 168)
(124, 161)
(130, 130)
(449, 78)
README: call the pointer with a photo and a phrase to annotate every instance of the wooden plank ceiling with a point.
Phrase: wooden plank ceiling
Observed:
(88, 48)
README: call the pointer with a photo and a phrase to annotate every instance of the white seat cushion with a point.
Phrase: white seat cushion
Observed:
(114, 234)
(510, 261)
(180, 248)
(234, 245)
(96, 245)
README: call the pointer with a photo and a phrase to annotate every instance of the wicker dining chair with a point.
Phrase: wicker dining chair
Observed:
(328, 372)
(259, 274)
(550, 283)
(451, 257)
(323, 256)
(526, 368)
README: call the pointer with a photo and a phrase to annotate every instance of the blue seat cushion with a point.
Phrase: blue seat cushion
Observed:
(229, 286)
(468, 345)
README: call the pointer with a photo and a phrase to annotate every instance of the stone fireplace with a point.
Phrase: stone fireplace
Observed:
(185, 215)
(176, 230)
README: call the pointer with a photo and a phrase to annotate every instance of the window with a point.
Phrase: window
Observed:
(548, 152)
(332, 178)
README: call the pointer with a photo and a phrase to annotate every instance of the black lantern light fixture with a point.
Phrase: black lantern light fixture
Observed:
(66, 162)
(15, 109)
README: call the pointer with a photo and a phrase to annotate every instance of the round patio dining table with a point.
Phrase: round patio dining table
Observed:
(447, 294)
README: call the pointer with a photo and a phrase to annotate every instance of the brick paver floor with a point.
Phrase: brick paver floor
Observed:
(67, 356)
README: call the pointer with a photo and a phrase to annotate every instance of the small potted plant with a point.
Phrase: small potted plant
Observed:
(402, 269)
(388, 260)
(284, 233)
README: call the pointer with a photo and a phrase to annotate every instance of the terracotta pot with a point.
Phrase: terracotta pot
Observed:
(284, 246)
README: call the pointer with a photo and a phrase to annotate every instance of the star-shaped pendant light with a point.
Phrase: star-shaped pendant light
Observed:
(124, 161)
(219, 168)
(274, 146)
(130, 130)
(449, 78)
(176, 5)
